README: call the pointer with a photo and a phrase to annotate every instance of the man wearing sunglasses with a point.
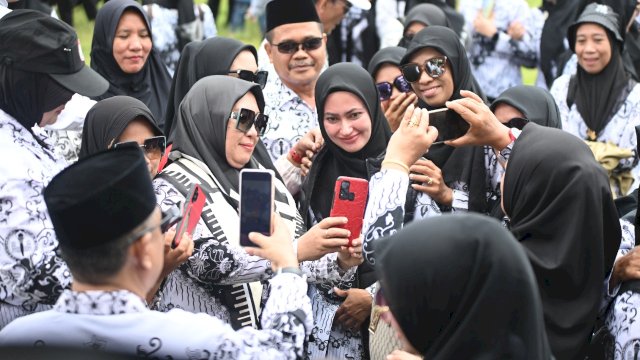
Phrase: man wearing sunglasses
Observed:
(103, 209)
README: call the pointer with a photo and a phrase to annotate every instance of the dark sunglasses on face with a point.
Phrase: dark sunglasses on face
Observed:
(259, 77)
(170, 217)
(517, 123)
(385, 88)
(434, 67)
(247, 118)
(153, 147)
(291, 47)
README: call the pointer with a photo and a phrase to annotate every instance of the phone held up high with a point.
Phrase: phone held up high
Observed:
(449, 127)
(349, 200)
(256, 203)
(191, 212)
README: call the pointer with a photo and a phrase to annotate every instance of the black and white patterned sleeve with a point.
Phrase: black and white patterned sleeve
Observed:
(626, 244)
(31, 272)
(327, 271)
(385, 208)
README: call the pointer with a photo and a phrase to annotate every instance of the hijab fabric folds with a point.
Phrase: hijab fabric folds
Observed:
(389, 55)
(26, 96)
(108, 118)
(332, 162)
(465, 164)
(151, 84)
(536, 103)
(559, 202)
(212, 56)
(460, 287)
(427, 14)
(201, 128)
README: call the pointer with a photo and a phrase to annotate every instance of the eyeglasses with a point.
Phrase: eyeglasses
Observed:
(291, 47)
(434, 67)
(153, 147)
(385, 88)
(259, 77)
(517, 123)
(169, 218)
(247, 118)
(380, 307)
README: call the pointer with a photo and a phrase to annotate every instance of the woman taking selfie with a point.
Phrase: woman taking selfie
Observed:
(216, 134)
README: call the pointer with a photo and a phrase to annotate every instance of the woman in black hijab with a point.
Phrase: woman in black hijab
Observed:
(214, 56)
(459, 287)
(560, 207)
(458, 174)
(601, 102)
(210, 148)
(120, 119)
(420, 17)
(531, 103)
(394, 91)
(335, 86)
(131, 65)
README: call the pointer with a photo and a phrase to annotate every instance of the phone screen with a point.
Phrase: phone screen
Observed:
(449, 127)
(256, 204)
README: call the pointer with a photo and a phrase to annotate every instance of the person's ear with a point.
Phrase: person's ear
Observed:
(268, 48)
(141, 251)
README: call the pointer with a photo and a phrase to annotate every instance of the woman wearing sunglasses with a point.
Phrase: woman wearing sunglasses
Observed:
(601, 102)
(123, 121)
(437, 68)
(215, 56)
(394, 91)
(460, 287)
(122, 52)
(217, 134)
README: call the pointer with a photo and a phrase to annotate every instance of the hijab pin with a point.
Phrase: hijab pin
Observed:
(602, 9)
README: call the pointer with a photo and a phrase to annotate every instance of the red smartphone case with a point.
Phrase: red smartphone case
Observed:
(165, 158)
(190, 213)
(350, 201)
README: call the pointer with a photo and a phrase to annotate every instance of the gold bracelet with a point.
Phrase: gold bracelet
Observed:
(389, 161)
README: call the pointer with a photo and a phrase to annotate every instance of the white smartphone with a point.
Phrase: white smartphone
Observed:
(256, 203)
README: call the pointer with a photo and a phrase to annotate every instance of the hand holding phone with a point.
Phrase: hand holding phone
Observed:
(349, 200)
(191, 212)
(256, 203)
(449, 125)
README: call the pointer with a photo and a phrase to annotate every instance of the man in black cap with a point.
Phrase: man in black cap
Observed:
(109, 227)
(40, 68)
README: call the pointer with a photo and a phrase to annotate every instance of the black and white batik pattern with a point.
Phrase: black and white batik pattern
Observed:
(66, 143)
(289, 117)
(164, 23)
(620, 130)
(32, 275)
(218, 259)
(621, 309)
(286, 321)
(496, 61)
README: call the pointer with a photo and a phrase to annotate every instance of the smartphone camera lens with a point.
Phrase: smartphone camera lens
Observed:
(195, 195)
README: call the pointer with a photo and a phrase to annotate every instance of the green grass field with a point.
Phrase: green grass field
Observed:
(250, 35)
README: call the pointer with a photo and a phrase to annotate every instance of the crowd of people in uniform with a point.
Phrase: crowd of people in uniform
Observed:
(514, 238)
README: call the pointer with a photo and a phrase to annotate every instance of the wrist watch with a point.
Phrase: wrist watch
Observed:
(290, 269)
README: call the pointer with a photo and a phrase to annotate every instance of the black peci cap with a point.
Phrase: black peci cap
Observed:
(35, 42)
(100, 198)
(281, 12)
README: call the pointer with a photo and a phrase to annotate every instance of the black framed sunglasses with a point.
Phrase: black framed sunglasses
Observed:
(434, 67)
(385, 88)
(153, 147)
(517, 123)
(291, 47)
(246, 118)
(170, 217)
(259, 77)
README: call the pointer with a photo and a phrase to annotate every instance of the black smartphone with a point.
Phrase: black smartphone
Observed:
(449, 126)
(256, 203)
